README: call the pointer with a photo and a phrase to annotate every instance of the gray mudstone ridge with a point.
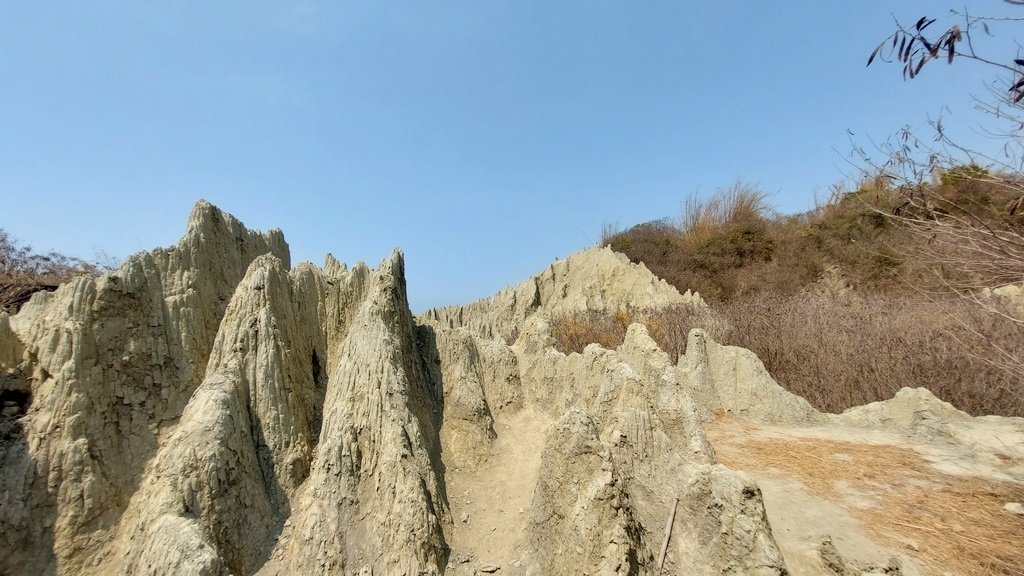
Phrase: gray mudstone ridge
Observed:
(596, 279)
(207, 409)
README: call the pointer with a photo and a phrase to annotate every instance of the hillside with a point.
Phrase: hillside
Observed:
(894, 281)
(209, 409)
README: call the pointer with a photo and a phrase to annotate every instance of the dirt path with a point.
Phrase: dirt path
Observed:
(490, 505)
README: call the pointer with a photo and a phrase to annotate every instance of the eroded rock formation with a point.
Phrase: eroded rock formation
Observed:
(207, 409)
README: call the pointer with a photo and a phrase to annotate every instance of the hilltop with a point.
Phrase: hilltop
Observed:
(881, 280)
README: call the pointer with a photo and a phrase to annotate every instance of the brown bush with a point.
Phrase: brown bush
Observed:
(732, 245)
(668, 326)
(24, 272)
(741, 205)
(952, 238)
(715, 244)
(843, 352)
(574, 332)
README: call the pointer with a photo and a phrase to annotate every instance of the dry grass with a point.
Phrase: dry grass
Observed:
(957, 522)
(839, 352)
(740, 204)
(668, 326)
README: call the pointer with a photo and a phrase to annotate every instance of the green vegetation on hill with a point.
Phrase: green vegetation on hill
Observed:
(734, 245)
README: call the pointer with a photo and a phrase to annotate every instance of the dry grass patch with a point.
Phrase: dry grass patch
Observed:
(957, 522)
(840, 352)
(668, 326)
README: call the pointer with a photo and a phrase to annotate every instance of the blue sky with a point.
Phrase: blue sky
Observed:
(484, 138)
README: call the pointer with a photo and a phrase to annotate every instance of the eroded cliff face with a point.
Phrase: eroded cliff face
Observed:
(206, 409)
(186, 410)
(109, 362)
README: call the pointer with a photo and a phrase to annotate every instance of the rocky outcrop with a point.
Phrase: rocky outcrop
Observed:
(207, 409)
(373, 501)
(582, 521)
(734, 381)
(478, 378)
(180, 406)
(628, 442)
(727, 531)
(111, 361)
(595, 279)
(244, 444)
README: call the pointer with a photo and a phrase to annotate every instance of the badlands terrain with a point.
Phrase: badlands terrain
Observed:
(209, 409)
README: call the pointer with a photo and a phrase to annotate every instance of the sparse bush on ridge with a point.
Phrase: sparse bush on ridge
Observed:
(908, 256)
(668, 326)
(733, 245)
(24, 272)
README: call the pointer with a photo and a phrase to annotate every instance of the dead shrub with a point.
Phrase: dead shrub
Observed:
(24, 272)
(574, 332)
(668, 326)
(839, 352)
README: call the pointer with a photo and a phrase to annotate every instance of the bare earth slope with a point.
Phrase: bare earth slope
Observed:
(207, 409)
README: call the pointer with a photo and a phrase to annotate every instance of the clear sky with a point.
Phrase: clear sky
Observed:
(485, 138)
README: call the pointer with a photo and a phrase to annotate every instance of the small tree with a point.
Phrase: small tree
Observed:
(963, 207)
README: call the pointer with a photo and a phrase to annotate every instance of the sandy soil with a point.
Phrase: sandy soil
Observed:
(490, 505)
(880, 499)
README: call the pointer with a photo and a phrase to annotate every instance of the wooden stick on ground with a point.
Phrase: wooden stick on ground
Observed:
(668, 534)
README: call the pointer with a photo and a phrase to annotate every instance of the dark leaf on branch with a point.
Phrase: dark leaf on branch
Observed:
(920, 23)
(951, 52)
(875, 53)
(984, 26)
(920, 64)
(1018, 62)
(1018, 85)
(903, 44)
